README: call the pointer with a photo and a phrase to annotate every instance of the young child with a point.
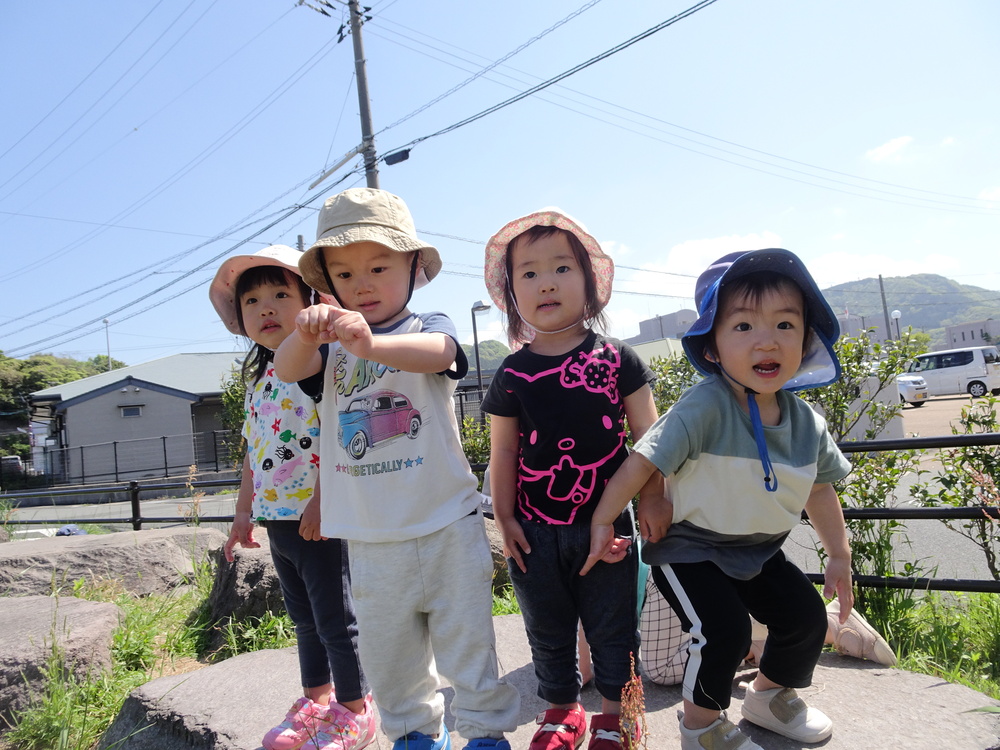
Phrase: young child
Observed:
(396, 482)
(748, 457)
(259, 296)
(558, 434)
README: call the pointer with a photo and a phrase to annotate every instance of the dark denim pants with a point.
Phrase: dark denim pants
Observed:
(554, 596)
(316, 583)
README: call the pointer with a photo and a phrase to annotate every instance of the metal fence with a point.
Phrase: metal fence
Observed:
(132, 491)
(123, 460)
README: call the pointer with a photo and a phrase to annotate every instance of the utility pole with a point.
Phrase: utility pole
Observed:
(367, 134)
(885, 309)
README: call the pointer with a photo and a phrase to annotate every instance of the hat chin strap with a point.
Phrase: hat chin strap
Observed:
(414, 268)
(539, 330)
(770, 480)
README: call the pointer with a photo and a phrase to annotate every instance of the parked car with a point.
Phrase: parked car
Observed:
(12, 464)
(378, 416)
(974, 370)
(912, 389)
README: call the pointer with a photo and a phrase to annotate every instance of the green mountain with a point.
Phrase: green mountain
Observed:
(928, 302)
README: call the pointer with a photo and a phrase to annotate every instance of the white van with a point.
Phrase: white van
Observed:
(974, 370)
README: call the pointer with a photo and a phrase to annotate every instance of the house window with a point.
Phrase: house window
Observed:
(131, 411)
(963, 335)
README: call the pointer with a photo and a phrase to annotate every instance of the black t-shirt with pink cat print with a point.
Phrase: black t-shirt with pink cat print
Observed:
(571, 418)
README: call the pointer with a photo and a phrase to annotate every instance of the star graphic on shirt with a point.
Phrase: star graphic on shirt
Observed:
(409, 463)
(420, 460)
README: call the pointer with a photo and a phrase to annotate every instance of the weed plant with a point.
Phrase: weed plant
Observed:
(270, 630)
(72, 712)
(505, 603)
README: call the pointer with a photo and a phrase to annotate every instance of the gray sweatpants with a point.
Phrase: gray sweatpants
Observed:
(423, 605)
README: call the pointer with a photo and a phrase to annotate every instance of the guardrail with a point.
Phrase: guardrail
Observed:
(134, 488)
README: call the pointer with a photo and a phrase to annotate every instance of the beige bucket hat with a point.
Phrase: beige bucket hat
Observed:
(366, 215)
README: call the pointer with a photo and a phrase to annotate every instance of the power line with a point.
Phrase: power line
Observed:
(565, 74)
(82, 81)
(977, 209)
(47, 149)
(289, 212)
(492, 65)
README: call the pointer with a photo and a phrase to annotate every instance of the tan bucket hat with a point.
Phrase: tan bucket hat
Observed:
(222, 291)
(366, 215)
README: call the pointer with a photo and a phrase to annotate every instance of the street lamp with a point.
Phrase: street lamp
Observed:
(896, 315)
(479, 306)
(107, 339)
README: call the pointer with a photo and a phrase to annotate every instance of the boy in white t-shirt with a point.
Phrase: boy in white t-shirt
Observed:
(396, 482)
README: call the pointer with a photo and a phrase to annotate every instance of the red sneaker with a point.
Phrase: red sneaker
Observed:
(559, 729)
(606, 733)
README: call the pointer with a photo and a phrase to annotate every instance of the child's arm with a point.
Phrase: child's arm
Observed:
(654, 511)
(410, 352)
(827, 518)
(241, 532)
(310, 522)
(503, 487)
(627, 481)
(298, 356)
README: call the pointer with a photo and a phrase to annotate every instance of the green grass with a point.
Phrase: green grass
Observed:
(71, 712)
(256, 633)
(955, 637)
(505, 603)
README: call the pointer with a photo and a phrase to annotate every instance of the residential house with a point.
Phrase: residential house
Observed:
(150, 420)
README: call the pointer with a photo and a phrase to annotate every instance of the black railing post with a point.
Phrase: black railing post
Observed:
(215, 449)
(166, 466)
(114, 447)
(83, 468)
(133, 492)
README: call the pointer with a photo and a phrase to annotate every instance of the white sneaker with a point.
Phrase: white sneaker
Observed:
(782, 711)
(721, 734)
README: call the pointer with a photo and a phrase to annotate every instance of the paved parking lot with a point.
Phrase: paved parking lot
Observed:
(935, 416)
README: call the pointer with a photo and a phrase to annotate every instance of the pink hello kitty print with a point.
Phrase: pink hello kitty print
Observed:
(575, 446)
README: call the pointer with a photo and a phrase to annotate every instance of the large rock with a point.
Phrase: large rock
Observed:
(227, 706)
(32, 627)
(247, 587)
(144, 562)
(230, 705)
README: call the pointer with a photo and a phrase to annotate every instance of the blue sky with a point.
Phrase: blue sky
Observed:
(144, 140)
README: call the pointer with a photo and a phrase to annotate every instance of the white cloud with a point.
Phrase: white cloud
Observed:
(838, 268)
(990, 194)
(890, 150)
(949, 141)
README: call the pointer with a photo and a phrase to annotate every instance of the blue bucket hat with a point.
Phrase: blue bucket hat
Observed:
(820, 365)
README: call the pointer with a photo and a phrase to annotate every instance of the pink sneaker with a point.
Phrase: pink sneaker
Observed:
(302, 720)
(342, 729)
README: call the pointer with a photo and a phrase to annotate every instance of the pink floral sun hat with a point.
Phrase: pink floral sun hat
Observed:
(495, 273)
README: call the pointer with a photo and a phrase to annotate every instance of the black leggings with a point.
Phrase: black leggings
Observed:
(714, 608)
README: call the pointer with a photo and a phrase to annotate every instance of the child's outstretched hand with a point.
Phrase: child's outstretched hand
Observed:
(324, 324)
(604, 545)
